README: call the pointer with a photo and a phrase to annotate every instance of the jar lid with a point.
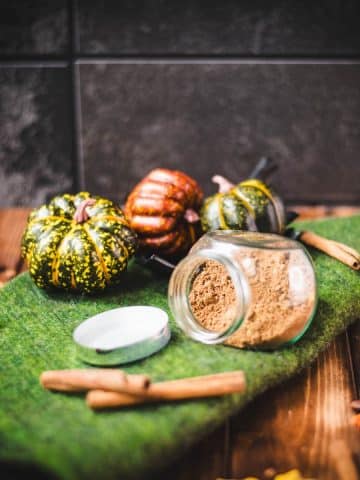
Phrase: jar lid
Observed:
(122, 335)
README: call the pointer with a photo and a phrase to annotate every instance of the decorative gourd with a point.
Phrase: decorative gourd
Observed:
(77, 243)
(250, 205)
(162, 209)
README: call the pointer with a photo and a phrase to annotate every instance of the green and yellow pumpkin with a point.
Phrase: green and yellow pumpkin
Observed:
(78, 242)
(250, 205)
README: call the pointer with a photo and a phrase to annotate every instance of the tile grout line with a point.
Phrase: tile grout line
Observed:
(212, 59)
(77, 162)
(34, 63)
(78, 128)
(74, 56)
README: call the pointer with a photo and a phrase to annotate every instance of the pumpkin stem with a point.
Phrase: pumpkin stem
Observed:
(81, 215)
(224, 184)
(264, 169)
(191, 216)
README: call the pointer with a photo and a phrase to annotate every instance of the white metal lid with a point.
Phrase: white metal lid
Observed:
(122, 335)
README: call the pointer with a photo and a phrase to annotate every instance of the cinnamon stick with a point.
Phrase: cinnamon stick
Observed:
(80, 380)
(340, 251)
(195, 387)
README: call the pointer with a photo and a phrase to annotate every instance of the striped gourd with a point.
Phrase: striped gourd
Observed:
(250, 205)
(77, 243)
(163, 210)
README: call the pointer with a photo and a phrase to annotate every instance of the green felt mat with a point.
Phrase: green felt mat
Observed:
(60, 434)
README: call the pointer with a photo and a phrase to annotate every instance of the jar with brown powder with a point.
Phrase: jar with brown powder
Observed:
(244, 289)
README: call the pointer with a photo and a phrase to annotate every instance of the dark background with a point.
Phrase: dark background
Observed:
(93, 94)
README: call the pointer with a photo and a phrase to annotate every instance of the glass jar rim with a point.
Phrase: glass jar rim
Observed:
(258, 240)
(179, 289)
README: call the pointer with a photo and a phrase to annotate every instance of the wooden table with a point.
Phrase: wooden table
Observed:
(304, 423)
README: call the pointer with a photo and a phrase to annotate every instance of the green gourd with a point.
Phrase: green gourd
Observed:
(78, 243)
(250, 205)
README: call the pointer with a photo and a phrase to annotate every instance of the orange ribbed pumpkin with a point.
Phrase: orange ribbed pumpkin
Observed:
(163, 210)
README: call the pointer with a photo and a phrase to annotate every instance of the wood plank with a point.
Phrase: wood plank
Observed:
(304, 424)
(309, 212)
(12, 224)
(206, 460)
(354, 342)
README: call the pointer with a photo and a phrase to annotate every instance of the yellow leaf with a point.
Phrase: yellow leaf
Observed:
(290, 475)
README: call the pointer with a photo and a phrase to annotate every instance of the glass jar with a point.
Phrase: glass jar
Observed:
(245, 289)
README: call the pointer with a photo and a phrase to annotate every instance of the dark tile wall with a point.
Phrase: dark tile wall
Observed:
(253, 27)
(219, 118)
(35, 133)
(34, 27)
(94, 94)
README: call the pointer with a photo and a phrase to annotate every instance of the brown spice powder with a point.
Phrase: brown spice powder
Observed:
(282, 299)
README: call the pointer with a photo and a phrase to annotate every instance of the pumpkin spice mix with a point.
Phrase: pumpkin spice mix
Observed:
(280, 302)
